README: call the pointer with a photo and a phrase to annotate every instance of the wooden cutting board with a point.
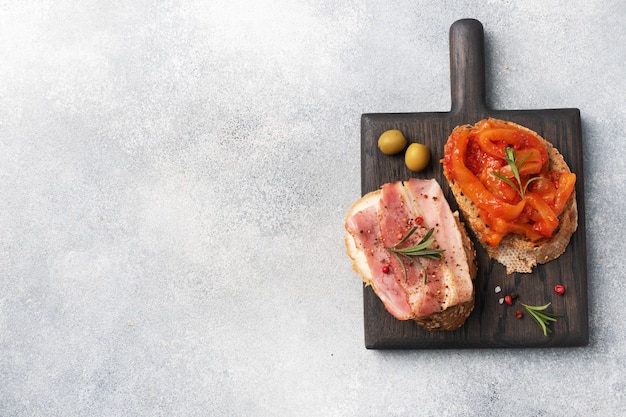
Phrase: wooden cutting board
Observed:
(491, 324)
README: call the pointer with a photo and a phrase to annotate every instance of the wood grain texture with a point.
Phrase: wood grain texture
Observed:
(491, 324)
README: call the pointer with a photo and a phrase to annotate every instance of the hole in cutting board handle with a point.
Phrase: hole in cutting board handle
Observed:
(467, 66)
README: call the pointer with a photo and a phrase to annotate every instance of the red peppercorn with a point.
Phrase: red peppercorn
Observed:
(386, 269)
(559, 289)
(419, 220)
(508, 299)
(519, 314)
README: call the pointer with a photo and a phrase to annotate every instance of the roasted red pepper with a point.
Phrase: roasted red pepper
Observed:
(476, 159)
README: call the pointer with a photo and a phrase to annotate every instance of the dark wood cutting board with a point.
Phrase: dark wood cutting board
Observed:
(491, 324)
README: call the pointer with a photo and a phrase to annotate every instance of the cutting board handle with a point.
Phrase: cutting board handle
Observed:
(467, 66)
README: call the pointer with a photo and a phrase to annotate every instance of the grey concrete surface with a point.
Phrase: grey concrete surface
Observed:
(174, 177)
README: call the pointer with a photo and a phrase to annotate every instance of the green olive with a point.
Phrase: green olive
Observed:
(417, 157)
(391, 142)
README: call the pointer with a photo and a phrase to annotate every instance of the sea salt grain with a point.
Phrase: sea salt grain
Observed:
(501, 300)
(498, 289)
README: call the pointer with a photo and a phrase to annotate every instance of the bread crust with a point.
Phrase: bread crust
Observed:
(516, 252)
(452, 317)
(359, 260)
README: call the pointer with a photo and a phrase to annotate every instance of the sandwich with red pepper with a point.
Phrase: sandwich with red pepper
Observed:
(515, 190)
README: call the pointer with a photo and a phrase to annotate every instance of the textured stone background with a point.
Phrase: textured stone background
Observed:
(173, 182)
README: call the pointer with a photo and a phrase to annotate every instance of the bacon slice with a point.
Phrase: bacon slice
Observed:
(365, 229)
(429, 287)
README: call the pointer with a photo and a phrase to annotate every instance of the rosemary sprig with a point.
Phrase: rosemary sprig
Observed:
(515, 167)
(420, 250)
(541, 317)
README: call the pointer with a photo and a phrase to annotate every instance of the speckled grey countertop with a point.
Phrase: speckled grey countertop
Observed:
(173, 182)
